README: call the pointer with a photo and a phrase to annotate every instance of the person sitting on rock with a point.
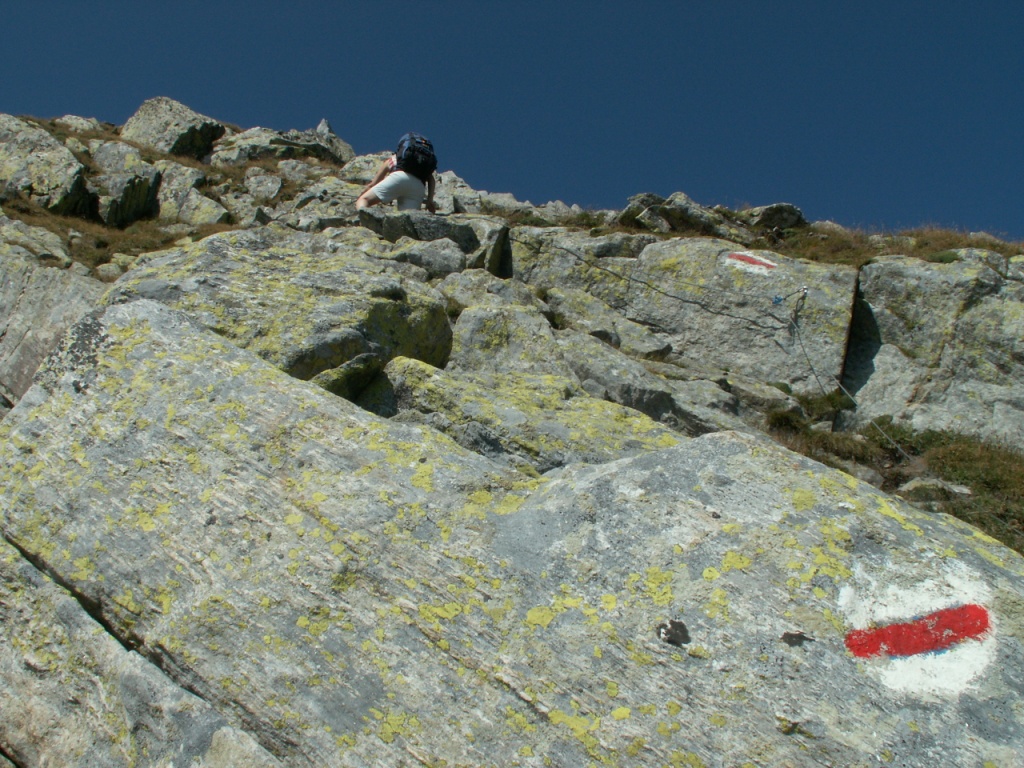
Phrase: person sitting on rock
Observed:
(406, 177)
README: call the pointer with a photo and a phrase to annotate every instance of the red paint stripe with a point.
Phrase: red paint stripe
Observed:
(751, 260)
(929, 634)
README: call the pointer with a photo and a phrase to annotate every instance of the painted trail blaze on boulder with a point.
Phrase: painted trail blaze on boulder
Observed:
(935, 632)
(749, 258)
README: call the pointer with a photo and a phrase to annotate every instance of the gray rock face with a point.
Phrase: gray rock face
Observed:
(18, 239)
(939, 345)
(127, 188)
(576, 309)
(610, 375)
(34, 163)
(509, 505)
(305, 303)
(777, 216)
(177, 181)
(72, 695)
(258, 143)
(352, 591)
(169, 126)
(79, 124)
(743, 311)
(37, 304)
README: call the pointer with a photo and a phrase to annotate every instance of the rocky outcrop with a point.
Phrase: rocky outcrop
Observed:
(307, 304)
(349, 590)
(127, 188)
(168, 126)
(939, 345)
(37, 304)
(35, 164)
(340, 489)
(758, 313)
(262, 143)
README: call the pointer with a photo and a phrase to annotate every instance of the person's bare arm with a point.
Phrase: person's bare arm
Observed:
(431, 205)
(377, 179)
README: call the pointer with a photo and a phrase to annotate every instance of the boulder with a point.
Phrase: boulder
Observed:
(128, 186)
(680, 213)
(774, 218)
(360, 170)
(438, 257)
(484, 239)
(506, 338)
(575, 309)
(352, 591)
(37, 304)
(684, 214)
(199, 210)
(18, 239)
(262, 143)
(757, 313)
(305, 303)
(263, 186)
(79, 124)
(325, 202)
(35, 164)
(168, 126)
(938, 346)
(177, 181)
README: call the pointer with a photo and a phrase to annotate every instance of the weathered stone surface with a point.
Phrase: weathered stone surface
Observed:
(683, 213)
(360, 170)
(609, 374)
(177, 181)
(484, 239)
(941, 346)
(169, 126)
(261, 185)
(18, 239)
(198, 210)
(326, 202)
(37, 304)
(576, 309)
(535, 422)
(79, 124)
(680, 213)
(260, 143)
(513, 338)
(307, 304)
(245, 558)
(479, 286)
(438, 257)
(777, 216)
(350, 591)
(715, 304)
(35, 164)
(128, 187)
(72, 695)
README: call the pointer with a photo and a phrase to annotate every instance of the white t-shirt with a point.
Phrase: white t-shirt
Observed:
(401, 187)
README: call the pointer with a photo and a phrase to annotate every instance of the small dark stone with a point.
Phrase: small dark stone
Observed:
(674, 633)
(796, 639)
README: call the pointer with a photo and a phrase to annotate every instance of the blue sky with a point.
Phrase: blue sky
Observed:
(878, 115)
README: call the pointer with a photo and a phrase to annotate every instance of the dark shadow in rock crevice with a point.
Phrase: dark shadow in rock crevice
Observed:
(864, 341)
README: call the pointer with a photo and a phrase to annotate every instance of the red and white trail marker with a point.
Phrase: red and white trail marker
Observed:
(751, 262)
